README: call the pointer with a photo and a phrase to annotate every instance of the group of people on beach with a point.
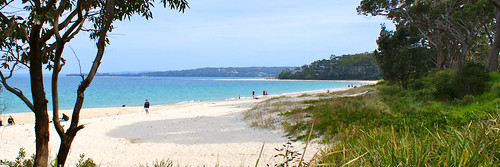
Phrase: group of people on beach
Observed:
(264, 93)
(10, 121)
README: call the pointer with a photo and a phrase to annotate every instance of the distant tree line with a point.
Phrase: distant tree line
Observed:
(207, 72)
(357, 66)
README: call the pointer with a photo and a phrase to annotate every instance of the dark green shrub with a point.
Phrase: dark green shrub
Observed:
(471, 80)
(442, 83)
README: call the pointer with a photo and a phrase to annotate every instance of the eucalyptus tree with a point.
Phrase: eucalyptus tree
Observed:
(451, 27)
(35, 37)
(495, 47)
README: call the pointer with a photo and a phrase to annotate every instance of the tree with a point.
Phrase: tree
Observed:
(495, 48)
(401, 55)
(451, 28)
(36, 40)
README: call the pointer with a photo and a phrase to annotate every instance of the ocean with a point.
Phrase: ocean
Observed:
(133, 91)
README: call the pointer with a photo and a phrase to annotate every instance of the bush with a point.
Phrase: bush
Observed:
(471, 80)
(450, 85)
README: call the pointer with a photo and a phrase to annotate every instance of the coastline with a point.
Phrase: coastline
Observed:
(188, 134)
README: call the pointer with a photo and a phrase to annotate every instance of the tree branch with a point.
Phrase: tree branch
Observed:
(101, 45)
(16, 91)
(55, 73)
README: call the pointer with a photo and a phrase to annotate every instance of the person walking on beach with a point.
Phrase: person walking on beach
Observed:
(11, 120)
(146, 106)
(253, 94)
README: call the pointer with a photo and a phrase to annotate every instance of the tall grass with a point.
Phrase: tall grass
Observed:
(475, 144)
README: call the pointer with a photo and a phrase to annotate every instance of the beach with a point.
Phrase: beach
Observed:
(190, 134)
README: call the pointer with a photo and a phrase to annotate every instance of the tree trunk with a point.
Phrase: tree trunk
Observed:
(64, 150)
(39, 99)
(440, 59)
(495, 48)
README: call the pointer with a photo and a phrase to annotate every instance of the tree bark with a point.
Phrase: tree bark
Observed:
(39, 99)
(495, 48)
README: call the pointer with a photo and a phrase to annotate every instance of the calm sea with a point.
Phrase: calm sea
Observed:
(132, 91)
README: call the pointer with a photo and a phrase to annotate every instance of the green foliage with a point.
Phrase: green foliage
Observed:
(456, 31)
(414, 127)
(391, 106)
(470, 80)
(20, 161)
(401, 56)
(475, 144)
(82, 162)
(358, 66)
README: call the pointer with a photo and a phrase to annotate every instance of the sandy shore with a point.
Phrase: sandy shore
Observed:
(191, 134)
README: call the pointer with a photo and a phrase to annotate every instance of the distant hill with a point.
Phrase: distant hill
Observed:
(360, 66)
(208, 72)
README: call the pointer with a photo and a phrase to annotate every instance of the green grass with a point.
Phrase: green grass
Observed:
(394, 127)
(475, 144)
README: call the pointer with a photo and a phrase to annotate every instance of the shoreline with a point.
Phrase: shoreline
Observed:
(189, 134)
(4, 116)
(362, 82)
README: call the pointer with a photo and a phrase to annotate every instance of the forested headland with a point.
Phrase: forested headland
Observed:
(346, 67)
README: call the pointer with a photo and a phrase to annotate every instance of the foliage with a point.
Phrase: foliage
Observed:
(457, 31)
(413, 127)
(82, 162)
(358, 66)
(35, 37)
(471, 80)
(475, 144)
(401, 56)
(20, 161)
(389, 106)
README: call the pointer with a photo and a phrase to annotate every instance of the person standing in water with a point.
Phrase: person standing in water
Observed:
(146, 106)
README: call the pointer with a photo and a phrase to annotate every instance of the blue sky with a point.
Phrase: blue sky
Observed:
(223, 33)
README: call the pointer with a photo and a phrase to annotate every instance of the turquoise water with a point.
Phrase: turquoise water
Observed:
(132, 91)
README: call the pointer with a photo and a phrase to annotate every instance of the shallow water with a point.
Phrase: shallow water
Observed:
(132, 91)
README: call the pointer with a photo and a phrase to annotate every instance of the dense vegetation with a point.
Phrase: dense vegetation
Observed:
(354, 67)
(437, 122)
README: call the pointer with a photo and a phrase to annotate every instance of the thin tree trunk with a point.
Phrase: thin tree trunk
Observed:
(68, 137)
(39, 99)
(495, 48)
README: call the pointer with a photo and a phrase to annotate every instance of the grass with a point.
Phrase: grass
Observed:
(475, 144)
(387, 126)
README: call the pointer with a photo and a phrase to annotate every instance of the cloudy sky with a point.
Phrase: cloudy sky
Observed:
(223, 33)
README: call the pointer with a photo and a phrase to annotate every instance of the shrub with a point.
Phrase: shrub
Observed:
(471, 80)
(85, 162)
(20, 160)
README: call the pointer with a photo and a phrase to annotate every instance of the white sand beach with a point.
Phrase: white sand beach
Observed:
(191, 134)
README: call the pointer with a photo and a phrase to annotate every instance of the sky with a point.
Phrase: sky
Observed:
(223, 33)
